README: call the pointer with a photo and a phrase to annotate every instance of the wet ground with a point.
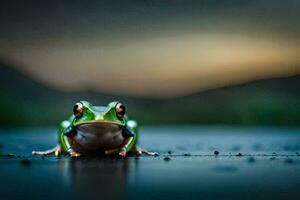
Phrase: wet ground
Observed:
(194, 163)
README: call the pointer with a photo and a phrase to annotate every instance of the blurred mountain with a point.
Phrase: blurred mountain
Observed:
(25, 102)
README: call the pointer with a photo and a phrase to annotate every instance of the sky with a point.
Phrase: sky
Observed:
(150, 48)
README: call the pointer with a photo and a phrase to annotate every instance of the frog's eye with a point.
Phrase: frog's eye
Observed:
(120, 110)
(78, 109)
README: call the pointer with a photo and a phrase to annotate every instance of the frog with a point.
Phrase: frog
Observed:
(98, 130)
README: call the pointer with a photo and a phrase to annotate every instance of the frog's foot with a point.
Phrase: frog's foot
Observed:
(122, 152)
(74, 154)
(47, 152)
(58, 152)
(137, 151)
(148, 153)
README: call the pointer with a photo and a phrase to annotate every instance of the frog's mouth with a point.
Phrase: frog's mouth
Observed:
(92, 136)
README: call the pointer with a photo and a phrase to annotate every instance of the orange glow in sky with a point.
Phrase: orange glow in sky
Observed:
(161, 53)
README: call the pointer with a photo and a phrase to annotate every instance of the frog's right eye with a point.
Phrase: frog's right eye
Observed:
(120, 110)
(78, 109)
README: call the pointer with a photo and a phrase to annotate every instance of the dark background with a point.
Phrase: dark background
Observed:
(214, 86)
(169, 62)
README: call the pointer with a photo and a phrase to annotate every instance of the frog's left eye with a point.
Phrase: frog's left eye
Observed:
(78, 109)
(120, 110)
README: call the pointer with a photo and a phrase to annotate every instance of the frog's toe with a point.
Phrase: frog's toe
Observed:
(122, 153)
(150, 153)
(57, 153)
(111, 151)
(42, 153)
(138, 153)
(74, 154)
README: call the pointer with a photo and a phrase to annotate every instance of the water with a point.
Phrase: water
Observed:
(187, 168)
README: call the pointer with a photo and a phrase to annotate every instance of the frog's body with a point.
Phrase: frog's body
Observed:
(95, 130)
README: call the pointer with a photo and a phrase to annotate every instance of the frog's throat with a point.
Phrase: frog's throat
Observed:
(91, 122)
(93, 136)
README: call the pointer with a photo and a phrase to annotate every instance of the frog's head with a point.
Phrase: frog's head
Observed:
(96, 127)
(85, 113)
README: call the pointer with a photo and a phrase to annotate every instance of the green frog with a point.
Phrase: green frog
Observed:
(97, 130)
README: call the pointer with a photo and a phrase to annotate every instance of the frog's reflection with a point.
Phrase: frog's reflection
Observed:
(96, 178)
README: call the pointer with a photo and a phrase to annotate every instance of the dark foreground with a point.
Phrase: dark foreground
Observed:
(253, 163)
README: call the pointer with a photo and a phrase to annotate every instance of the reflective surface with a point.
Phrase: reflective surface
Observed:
(253, 163)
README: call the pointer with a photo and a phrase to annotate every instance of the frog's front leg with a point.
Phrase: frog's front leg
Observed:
(129, 142)
(122, 152)
(67, 138)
